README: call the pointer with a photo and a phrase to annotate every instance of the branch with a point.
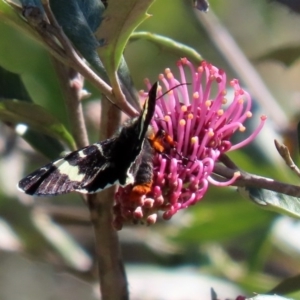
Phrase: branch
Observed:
(112, 277)
(251, 180)
(110, 266)
(72, 84)
(285, 154)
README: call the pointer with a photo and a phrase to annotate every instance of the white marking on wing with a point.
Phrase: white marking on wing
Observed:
(129, 177)
(81, 154)
(71, 171)
(44, 169)
(99, 148)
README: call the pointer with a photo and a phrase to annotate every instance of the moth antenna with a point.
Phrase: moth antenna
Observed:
(173, 88)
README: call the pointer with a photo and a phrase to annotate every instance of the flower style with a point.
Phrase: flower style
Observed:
(201, 130)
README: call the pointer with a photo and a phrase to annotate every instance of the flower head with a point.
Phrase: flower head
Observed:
(200, 129)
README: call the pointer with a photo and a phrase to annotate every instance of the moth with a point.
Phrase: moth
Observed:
(126, 158)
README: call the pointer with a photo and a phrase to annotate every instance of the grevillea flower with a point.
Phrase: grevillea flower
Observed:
(194, 117)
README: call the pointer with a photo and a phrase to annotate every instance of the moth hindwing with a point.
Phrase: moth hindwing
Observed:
(97, 166)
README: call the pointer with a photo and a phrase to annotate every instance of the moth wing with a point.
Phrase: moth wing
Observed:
(71, 173)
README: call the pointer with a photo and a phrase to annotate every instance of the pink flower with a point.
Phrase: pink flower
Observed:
(195, 118)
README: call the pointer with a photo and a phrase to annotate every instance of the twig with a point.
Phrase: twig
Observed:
(228, 162)
(251, 180)
(72, 83)
(117, 90)
(285, 154)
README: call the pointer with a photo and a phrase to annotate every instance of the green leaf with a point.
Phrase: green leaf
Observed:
(47, 145)
(176, 48)
(36, 117)
(92, 11)
(11, 86)
(9, 14)
(75, 23)
(120, 19)
(32, 3)
(79, 19)
(273, 201)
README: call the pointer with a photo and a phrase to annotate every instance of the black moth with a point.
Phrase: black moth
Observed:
(124, 159)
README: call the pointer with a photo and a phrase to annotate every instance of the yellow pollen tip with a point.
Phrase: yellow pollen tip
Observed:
(190, 116)
(161, 76)
(236, 174)
(242, 128)
(224, 100)
(241, 101)
(170, 75)
(167, 70)
(220, 112)
(210, 133)
(249, 114)
(182, 122)
(194, 140)
(196, 95)
(200, 69)
(183, 108)
(224, 92)
(167, 118)
(184, 60)
(207, 103)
